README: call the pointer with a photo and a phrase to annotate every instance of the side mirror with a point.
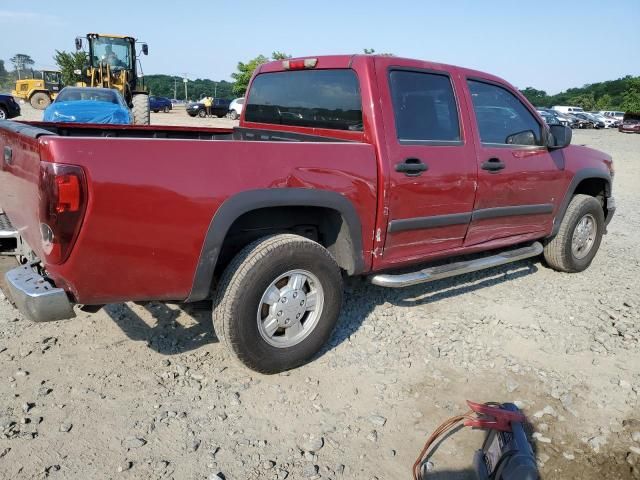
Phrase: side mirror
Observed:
(145, 49)
(526, 137)
(559, 136)
(78, 43)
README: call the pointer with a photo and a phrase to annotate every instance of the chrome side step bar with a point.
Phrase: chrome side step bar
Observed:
(458, 268)
(6, 229)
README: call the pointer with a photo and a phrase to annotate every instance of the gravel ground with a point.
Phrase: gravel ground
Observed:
(146, 391)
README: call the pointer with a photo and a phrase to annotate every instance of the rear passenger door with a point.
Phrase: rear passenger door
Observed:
(519, 180)
(431, 165)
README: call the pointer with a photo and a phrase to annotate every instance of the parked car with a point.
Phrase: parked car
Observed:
(609, 122)
(567, 120)
(613, 114)
(580, 122)
(219, 108)
(88, 105)
(567, 109)
(9, 108)
(235, 108)
(630, 123)
(157, 104)
(368, 172)
(549, 118)
(595, 123)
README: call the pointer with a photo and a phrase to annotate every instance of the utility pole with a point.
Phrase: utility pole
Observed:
(175, 88)
(184, 79)
(215, 89)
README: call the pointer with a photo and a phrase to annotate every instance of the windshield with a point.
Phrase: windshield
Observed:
(115, 52)
(94, 94)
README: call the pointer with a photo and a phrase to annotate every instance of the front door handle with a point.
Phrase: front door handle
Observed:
(493, 165)
(412, 167)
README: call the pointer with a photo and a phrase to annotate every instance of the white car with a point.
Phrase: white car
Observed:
(235, 108)
(613, 114)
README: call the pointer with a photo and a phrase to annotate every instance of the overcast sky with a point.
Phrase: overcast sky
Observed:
(550, 45)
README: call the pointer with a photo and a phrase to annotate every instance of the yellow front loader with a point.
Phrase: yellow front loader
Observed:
(112, 62)
(39, 89)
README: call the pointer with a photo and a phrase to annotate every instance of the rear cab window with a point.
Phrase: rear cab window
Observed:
(321, 99)
(424, 107)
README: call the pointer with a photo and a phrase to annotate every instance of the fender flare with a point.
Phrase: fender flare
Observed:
(580, 175)
(234, 207)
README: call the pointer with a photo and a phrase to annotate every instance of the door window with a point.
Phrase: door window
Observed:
(502, 118)
(424, 107)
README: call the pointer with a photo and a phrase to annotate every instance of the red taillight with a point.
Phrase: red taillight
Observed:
(63, 200)
(299, 64)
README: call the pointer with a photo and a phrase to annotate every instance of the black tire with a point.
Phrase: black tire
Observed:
(558, 252)
(202, 113)
(3, 113)
(238, 297)
(156, 111)
(40, 100)
(233, 115)
(141, 109)
(166, 109)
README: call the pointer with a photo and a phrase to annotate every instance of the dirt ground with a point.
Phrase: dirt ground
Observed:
(146, 391)
(177, 116)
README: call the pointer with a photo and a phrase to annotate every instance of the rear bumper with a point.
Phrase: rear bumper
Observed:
(35, 297)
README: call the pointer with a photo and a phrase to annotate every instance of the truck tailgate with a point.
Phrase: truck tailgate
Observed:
(19, 178)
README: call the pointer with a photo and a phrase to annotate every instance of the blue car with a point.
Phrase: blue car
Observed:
(89, 105)
(157, 104)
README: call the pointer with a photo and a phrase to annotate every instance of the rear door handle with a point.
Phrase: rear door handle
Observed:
(412, 167)
(493, 165)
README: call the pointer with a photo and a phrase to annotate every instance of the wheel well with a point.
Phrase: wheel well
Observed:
(594, 187)
(323, 225)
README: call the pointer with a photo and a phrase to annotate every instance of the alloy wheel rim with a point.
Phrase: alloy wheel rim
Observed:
(584, 236)
(290, 308)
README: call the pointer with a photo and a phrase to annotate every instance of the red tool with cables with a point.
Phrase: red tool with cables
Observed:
(506, 453)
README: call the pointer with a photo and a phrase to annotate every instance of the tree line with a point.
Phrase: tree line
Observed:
(621, 94)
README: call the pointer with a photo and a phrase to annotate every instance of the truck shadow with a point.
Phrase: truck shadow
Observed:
(361, 297)
(171, 337)
(168, 336)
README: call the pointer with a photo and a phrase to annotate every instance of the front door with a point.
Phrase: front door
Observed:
(432, 168)
(519, 179)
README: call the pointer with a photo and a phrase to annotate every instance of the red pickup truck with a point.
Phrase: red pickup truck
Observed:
(341, 165)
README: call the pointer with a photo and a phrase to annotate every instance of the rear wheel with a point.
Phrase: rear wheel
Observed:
(140, 109)
(579, 236)
(166, 110)
(3, 113)
(278, 302)
(40, 100)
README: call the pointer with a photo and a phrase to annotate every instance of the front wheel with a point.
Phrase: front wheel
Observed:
(202, 113)
(3, 113)
(233, 115)
(579, 236)
(166, 109)
(40, 100)
(278, 302)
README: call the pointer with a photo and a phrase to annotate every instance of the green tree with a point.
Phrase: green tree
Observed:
(68, 62)
(368, 51)
(604, 102)
(631, 97)
(245, 71)
(538, 98)
(3, 73)
(21, 62)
